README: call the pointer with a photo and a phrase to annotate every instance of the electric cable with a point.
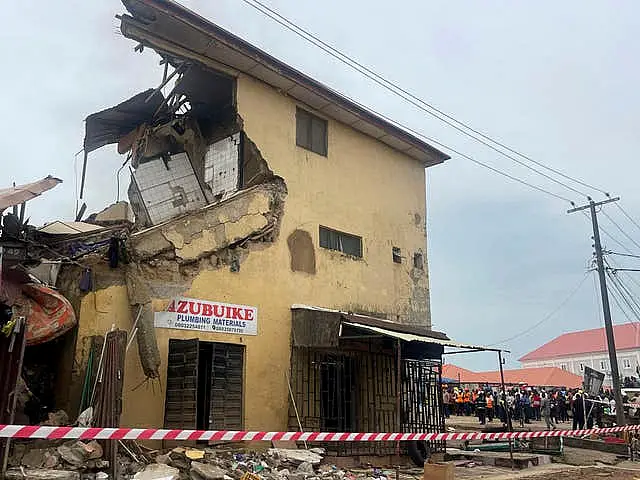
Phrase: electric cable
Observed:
(633, 308)
(546, 317)
(606, 232)
(416, 101)
(624, 212)
(623, 254)
(608, 217)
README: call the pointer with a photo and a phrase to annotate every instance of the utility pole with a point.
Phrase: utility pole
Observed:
(606, 309)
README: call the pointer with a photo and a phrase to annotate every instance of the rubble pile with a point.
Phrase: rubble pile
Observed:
(77, 460)
(65, 461)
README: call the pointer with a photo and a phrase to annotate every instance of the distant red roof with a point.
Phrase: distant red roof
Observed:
(538, 377)
(587, 341)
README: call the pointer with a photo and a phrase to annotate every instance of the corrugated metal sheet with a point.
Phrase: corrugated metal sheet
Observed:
(171, 28)
(110, 125)
(22, 193)
(408, 337)
(69, 228)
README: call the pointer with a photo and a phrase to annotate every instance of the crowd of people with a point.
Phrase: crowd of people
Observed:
(524, 404)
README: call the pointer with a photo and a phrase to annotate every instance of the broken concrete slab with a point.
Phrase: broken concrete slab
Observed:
(296, 457)
(158, 471)
(305, 467)
(57, 418)
(194, 454)
(51, 459)
(34, 458)
(164, 459)
(77, 453)
(250, 214)
(94, 450)
(115, 213)
(204, 471)
(40, 474)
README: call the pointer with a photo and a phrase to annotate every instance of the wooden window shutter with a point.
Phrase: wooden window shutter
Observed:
(180, 409)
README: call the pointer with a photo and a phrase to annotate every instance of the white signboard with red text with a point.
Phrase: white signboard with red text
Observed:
(193, 314)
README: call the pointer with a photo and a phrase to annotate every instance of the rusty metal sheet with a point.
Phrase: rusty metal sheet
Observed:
(22, 193)
(110, 125)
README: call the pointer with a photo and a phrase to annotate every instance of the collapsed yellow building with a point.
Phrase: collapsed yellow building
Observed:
(275, 276)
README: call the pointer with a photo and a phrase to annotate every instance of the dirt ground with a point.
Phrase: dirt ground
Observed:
(464, 423)
(551, 472)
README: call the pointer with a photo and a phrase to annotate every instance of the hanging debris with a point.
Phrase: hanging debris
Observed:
(143, 329)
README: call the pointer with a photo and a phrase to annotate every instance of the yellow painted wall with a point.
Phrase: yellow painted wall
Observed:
(362, 187)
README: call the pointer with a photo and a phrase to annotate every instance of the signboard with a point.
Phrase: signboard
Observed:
(205, 316)
(592, 381)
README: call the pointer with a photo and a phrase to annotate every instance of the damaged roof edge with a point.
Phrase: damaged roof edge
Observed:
(376, 321)
(192, 19)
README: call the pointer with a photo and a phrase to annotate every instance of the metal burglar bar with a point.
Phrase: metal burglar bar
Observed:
(421, 401)
(352, 391)
(344, 391)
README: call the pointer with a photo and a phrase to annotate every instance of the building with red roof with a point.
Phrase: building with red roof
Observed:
(536, 377)
(588, 348)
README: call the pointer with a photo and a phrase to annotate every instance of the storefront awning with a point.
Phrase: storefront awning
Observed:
(408, 337)
(322, 327)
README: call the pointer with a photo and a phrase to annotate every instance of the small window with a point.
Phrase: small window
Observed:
(603, 365)
(418, 261)
(563, 366)
(626, 363)
(340, 241)
(311, 132)
(581, 366)
(397, 255)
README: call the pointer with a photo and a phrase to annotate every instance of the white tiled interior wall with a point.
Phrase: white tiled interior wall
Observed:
(221, 165)
(168, 192)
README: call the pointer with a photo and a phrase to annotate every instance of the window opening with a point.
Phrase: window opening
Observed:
(204, 385)
(340, 241)
(311, 132)
(396, 254)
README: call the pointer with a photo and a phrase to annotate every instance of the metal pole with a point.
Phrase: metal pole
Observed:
(606, 309)
(506, 408)
(504, 394)
(398, 392)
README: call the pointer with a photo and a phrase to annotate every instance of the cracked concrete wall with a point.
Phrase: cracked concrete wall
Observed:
(361, 187)
(237, 252)
(170, 255)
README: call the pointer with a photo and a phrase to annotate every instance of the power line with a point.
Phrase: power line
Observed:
(627, 215)
(623, 254)
(629, 277)
(606, 232)
(616, 286)
(548, 316)
(617, 302)
(627, 290)
(608, 217)
(416, 101)
(463, 155)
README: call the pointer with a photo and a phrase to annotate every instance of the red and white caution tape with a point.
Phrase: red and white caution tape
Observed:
(85, 433)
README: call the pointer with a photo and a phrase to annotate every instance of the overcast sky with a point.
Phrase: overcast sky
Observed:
(557, 80)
